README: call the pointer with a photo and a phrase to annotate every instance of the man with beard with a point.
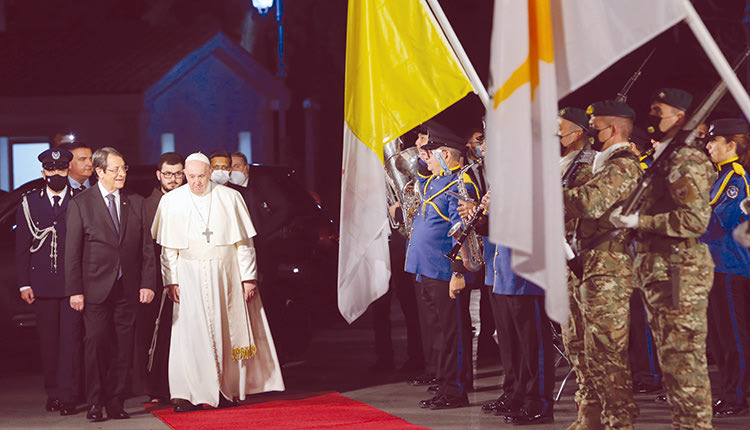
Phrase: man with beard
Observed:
(152, 346)
(40, 243)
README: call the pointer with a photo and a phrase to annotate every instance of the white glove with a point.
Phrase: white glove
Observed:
(623, 221)
(745, 206)
(741, 234)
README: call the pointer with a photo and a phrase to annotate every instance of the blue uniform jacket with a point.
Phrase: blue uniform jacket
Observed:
(726, 194)
(36, 269)
(489, 261)
(429, 240)
(508, 283)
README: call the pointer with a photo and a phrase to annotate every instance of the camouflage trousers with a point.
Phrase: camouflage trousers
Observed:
(604, 301)
(680, 333)
(572, 336)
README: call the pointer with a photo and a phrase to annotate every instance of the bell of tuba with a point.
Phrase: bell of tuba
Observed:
(472, 250)
(401, 167)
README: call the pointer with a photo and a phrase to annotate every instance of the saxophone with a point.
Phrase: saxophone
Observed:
(401, 167)
(472, 249)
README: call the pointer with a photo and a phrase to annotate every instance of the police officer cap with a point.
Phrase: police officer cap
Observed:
(674, 97)
(440, 138)
(728, 127)
(576, 116)
(55, 158)
(611, 108)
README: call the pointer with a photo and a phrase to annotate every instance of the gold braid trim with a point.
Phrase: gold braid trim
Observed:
(244, 352)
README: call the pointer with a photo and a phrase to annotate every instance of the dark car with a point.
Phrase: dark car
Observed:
(298, 287)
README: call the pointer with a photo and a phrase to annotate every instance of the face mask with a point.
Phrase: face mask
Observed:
(438, 154)
(653, 127)
(220, 177)
(478, 152)
(236, 177)
(57, 183)
(593, 134)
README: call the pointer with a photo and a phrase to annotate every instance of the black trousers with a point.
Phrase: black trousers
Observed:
(728, 306)
(402, 286)
(526, 350)
(108, 346)
(61, 343)
(154, 383)
(446, 334)
(644, 363)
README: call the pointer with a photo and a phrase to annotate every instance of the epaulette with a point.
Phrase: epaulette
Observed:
(32, 191)
(625, 153)
(738, 169)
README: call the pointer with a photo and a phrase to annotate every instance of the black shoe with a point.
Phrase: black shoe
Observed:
(95, 414)
(226, 403)
(724, 409)
(68, 409)
(503, 405)
(52, 405)
(428, 402)
(182, 405)
(445, 402)
(644, 388)
(526, 417)
(117, 413)
(422, 380)
(432, 388)
(661, 398)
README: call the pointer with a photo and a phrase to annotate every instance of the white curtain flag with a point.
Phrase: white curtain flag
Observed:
(541, 51)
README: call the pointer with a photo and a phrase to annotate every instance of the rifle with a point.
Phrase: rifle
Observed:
(586, 155)
(622, 96)
(686, 136)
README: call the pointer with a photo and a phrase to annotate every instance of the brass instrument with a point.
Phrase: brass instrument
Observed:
(472, 248)
(401, 169)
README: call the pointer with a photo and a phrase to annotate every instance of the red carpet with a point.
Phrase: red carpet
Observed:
(328, 411)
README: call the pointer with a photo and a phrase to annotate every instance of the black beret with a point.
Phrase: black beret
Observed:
(576, 116)
(640, 138)
(728, 127)
(611, 108)
(674, 97)
(55, 158)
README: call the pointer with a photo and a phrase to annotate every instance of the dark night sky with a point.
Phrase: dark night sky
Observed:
(315, 33)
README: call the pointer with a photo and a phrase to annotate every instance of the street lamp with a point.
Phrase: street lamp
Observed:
(262, 6)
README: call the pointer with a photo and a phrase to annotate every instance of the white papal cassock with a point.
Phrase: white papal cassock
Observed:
(219, 341)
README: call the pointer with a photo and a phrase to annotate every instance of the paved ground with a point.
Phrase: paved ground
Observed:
(338, 360)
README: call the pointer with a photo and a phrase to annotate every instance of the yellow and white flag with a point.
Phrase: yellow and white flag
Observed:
(541, 51)
(400, 72)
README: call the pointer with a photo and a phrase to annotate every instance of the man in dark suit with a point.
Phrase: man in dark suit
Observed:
(80, 174)
(151, 366)
(40, 239)
(109, 267)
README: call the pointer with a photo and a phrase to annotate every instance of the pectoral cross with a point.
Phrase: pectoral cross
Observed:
(208, 234)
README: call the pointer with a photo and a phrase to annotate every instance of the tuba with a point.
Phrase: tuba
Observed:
(472, 249)
(401, 167)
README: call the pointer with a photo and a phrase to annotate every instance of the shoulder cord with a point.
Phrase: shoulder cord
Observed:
(41, 235)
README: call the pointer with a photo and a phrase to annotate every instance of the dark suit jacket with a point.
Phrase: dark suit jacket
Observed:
(36, 269)
(266, 203)
(94, 251)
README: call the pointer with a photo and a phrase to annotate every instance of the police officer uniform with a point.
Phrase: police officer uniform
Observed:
(445, 322)
(727, 313)
(40, 256)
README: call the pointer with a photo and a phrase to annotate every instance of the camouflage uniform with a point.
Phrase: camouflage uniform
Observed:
(675, 213)
(604, 294)
(585, 398)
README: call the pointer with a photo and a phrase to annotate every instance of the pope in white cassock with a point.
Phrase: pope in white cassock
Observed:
(221, 343)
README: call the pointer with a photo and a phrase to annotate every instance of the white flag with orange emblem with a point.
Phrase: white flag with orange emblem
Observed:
(541, 51)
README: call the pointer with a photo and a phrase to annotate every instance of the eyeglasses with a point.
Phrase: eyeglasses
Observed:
(172, 174)
(117, 170)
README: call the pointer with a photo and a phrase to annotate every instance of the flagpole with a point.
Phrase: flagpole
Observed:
(458, 49)
(717, 58)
